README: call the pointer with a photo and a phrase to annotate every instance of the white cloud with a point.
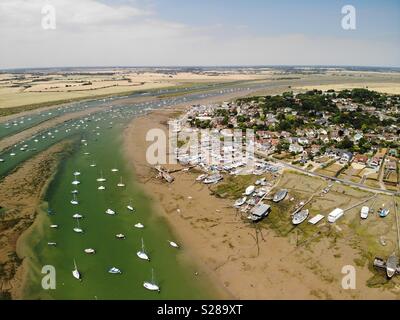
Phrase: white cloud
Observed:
(93, 33)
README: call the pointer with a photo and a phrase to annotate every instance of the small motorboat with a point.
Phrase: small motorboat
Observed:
(130, 208)
(76, 182)
(90, 251)
(240, 202)
(110, 212)
(101, 188)
(280, 195)
(300, 216)
(77, 173)
(77, 216)
(115, 270)
(54, 226)
(120, 236)
(114, 170)
(139, 225)
(52, 244)
(173, 244)
(383, 212)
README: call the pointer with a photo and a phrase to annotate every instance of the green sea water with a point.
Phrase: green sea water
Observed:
(176, 278)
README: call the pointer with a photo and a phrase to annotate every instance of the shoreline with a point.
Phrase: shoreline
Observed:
(248, 264)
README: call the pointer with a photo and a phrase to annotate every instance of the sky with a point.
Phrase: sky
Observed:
(197, 33)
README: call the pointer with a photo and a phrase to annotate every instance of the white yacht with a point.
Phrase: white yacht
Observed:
(101, 179)
(120, 184)
(151, 285)
(75, 272)
(74, 201)
(78, 229)
(142, 254)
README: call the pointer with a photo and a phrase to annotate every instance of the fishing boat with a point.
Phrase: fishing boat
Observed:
(77, 216)
(101, 179)
(74, 201)
(280, 195)
(240, 202)
(110, 212)
(139, 225)
(78, 229)
(142, 254)
(173, 244)
(383, 212)
(391, 265)
(364, 212)
(120, 184)
(120, 236)
(90, 251)
(151, 285)
(300, 216)
(114, 270)
(75, 272)
(213, 179)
